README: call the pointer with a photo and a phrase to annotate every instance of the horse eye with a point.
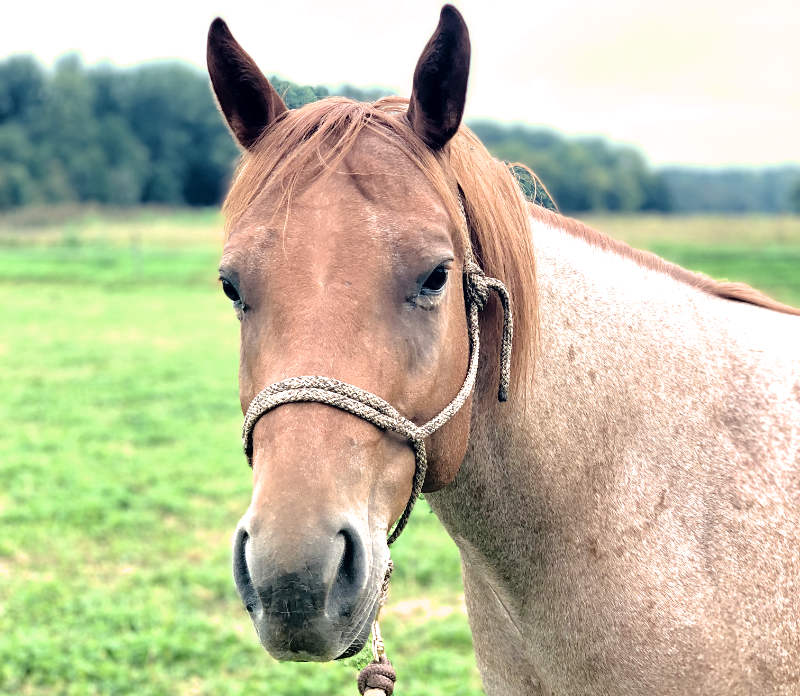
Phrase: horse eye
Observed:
(435, 282)
(230, 291)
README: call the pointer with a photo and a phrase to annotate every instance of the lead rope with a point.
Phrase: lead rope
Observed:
(378, 677)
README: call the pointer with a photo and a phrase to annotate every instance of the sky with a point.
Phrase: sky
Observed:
(690, 82)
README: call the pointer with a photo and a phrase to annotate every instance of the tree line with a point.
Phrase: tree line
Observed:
(152, 134)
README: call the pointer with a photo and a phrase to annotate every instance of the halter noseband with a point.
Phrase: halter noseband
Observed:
(380, 413)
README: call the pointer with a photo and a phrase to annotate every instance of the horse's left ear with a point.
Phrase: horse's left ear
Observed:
(440, 81)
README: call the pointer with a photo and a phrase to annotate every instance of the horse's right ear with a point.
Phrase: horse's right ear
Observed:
(249, 102)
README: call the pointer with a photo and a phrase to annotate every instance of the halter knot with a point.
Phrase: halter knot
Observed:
(377, 675)
(476, 287)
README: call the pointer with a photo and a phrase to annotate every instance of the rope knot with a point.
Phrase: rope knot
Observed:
(477, 288)
(377, 675)
(478, 285)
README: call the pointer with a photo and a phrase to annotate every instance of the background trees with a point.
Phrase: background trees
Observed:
(152, 134)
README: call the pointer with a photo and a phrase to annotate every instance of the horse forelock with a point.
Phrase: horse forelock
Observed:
(309, 143)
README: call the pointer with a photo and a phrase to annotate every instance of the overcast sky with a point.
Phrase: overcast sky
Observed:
(705, 82)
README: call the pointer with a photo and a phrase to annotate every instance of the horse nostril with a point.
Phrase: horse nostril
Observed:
(349, 576)
(241, 574)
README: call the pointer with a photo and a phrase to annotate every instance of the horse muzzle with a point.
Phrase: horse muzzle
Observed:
(310, 600)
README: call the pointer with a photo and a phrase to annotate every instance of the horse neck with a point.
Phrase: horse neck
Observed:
(631, 366)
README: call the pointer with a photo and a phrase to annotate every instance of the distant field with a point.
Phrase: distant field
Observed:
(121, 477)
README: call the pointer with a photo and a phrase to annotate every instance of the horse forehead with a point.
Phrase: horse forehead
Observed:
(358, 212)
(382, 172)
(377, 181)
(375, 203)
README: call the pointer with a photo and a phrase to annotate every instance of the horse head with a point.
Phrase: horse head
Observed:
(344, 256)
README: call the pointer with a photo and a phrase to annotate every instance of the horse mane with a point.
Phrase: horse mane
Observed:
(307, 143)
(739, 292)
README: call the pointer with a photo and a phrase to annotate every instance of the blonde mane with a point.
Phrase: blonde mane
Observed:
(310, 142)
(740, 292)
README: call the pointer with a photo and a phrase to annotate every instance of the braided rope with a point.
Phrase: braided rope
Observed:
(379, 412)
(506, 340)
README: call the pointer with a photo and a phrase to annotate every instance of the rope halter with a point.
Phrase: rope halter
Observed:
(380, 413)
(378, 677)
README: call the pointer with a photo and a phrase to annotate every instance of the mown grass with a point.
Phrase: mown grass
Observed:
(121, 477)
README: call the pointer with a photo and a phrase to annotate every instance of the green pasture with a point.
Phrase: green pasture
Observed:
(121, 476)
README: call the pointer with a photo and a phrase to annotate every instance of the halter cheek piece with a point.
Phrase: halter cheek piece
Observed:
(380, 413)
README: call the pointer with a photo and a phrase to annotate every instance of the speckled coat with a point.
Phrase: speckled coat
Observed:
(631, 525)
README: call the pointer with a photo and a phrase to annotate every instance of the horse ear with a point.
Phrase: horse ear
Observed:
(440, 81)
(249, 102)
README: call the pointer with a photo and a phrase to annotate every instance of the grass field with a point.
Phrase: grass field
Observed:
(121, 477)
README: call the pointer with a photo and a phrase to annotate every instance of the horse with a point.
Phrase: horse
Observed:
(628, 519)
